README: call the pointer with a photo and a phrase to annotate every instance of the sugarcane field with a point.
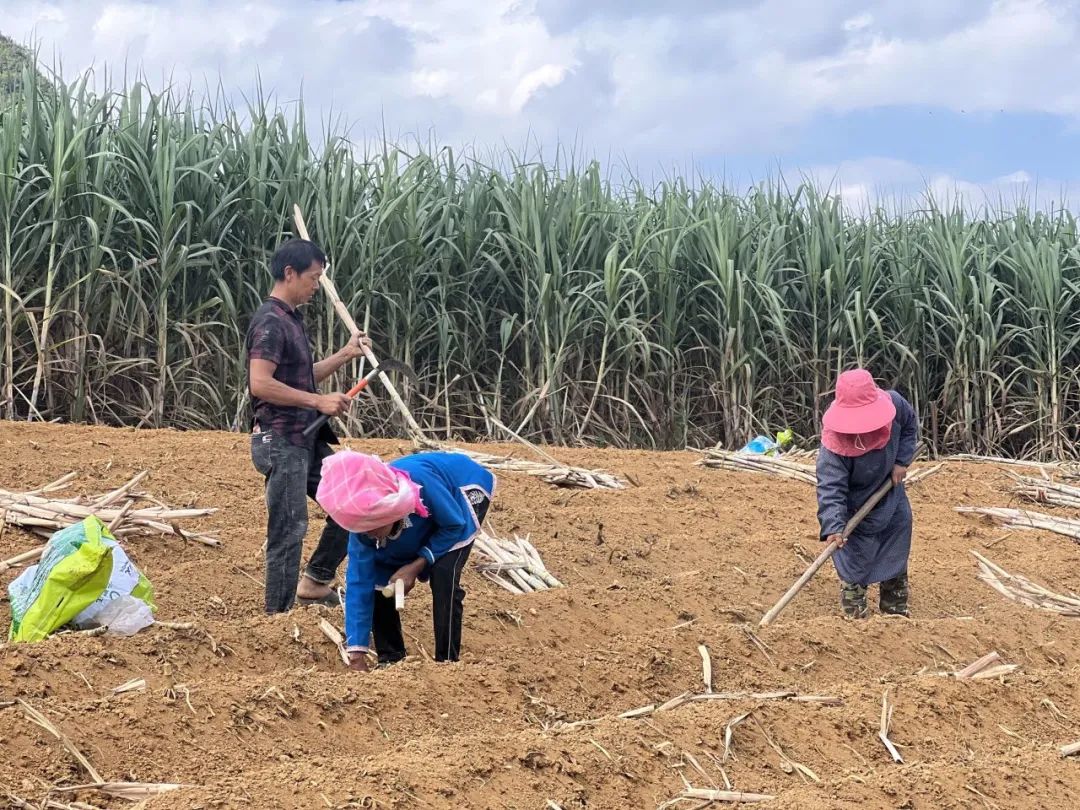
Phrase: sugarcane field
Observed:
(344, 465)
(644, 677)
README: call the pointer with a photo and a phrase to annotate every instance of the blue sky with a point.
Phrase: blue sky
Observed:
(976, 97)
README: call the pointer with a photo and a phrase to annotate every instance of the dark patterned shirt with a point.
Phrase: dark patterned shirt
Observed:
(277, 334)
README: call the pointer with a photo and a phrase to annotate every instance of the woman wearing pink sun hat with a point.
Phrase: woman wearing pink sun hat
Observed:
(868, 435)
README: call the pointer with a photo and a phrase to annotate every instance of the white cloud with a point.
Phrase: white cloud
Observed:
(656, 83)
(1018, 177)
(1022, 56)
(432, 82)
(863, 184)
(858, 23)
(544, 76)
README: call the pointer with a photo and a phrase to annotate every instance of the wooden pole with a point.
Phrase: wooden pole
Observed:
(826, 555)
(557, 474)
(347, 319)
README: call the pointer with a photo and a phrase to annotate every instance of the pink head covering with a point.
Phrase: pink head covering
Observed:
(361, 493)
(860, 418)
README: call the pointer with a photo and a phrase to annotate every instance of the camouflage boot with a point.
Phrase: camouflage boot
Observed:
(894, 596)
(853, 600)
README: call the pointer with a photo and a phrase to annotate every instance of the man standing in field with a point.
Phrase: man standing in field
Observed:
(283, 382)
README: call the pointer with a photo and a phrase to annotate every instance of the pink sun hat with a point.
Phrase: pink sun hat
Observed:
(362, 493)
(860, 406)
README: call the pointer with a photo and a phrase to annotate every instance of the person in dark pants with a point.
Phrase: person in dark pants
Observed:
(283, 381)
(868, 436)
(412, 519)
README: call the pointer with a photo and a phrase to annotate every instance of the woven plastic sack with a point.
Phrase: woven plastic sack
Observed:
(361, 493)
(82, 570)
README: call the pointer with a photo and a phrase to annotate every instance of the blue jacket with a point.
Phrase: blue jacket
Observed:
(446, 481)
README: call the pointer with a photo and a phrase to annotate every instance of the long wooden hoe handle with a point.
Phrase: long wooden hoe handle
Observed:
(825, 555)
(347, 319)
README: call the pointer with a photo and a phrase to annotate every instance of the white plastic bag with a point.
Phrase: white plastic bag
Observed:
(125, 615)
(122, 581)
(81, 570)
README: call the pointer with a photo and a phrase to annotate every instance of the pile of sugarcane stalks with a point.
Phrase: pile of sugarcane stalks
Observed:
(1023, 590)
(513, 564)
(1044, 490)
(718, 459)
(551, 472)
(1024, 519)
(40, 511)
(1008, 462)
(783, 467)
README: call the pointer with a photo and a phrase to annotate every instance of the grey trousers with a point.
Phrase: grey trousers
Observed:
(292, 474)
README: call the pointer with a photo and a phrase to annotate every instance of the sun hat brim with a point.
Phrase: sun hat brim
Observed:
(861, 418)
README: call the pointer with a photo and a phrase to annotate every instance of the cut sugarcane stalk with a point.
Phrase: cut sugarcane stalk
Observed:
(1022, 590)
(706, 667)
(978, 666)
(515, 565)
(487, 546)
(395, 589)
(1069, 750)
(1024, 519)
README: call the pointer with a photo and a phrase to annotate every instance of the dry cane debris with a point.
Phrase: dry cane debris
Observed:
(336, 639)
(134, 685)
(551, 471)
(886, 723)
(690, 697)
(983, 669)
(708, 795)
(1010, 462)
(132, 791)
(782, 467)
(718, 459)
(1045, 490)
(706, 667)
(787, 764)
(39, 719)
(1022, 590)
(40, 512)
(1024, 519)
(1069, 750)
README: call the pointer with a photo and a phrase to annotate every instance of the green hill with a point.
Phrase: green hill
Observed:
(13, 59)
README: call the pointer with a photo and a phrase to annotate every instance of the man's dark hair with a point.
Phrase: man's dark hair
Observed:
(299, 254)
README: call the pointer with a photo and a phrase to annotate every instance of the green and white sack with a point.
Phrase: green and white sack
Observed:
(82, 572)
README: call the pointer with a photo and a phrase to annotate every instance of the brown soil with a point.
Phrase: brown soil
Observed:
(692, 556)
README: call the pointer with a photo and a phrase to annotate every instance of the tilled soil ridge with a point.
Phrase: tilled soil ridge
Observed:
(250, 710)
